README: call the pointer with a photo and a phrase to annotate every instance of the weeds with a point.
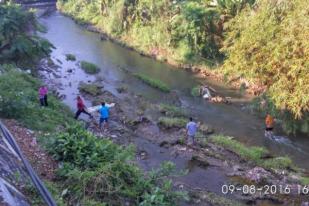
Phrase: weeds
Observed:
(70, 57)
(91, 89)
(89, 68)
(253, 154)
(195, 92)
(173, 111)
(170, 122)
(153, 82)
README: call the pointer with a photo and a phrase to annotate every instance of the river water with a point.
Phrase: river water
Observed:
(69, 37)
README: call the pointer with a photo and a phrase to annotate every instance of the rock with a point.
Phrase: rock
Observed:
(143, 155)
(164, 144)
(258, 174)
(103, 38)
(206, 129)
(200, 160)
(121, 89)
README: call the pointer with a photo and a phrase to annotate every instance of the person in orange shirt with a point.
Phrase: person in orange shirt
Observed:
(269, 122)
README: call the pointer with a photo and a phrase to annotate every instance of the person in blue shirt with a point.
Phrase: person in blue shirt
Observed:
(104, 115)
(191, 129)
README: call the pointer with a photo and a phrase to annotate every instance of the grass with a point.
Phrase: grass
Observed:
(195, 91)
(155, 83)
(89, 68)
(172, 111)
(172, 122)
(253, 154)
(70, 57)
(91, 89)
(278, 163)
(19, 100)
(304, 180)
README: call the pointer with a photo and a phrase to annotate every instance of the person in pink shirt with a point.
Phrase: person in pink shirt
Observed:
(43, 95)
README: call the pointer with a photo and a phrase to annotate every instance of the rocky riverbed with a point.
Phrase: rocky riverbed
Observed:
(209, 166)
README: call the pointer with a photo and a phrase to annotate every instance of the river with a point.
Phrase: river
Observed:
(69, 37)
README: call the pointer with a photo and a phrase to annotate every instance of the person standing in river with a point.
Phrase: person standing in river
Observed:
(81, 108)
(43, 95)
(191, 129)
(269, 122)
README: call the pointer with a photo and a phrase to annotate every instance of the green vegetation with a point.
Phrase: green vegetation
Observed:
(304, 180)
(275, 56)
(278, 163)
(253, 154)
(195, 91)
(19, 100)
(70, 57)
(89, 68)
(182, 31)
(153, 82)
(172, 111)
(92, 89)
(99, 170)
(172, 122)
(199, 32)
(18, 40)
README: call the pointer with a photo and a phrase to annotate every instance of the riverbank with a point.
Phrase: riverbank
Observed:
(179, 41)
(205, 72)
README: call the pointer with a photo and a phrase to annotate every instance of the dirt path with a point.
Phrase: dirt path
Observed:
(44, 165)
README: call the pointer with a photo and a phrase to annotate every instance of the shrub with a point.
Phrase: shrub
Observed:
(91, 89)
(153, 82)
(276, 55)
(17, 44)
(89, 68)
(170, 122)
(99, 170)
(70, 57)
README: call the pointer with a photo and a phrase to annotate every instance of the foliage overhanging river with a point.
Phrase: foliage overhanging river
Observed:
(69, 37)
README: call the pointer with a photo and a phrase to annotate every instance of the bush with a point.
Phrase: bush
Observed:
(153, 82)
(70, 57)
(91, 89)
(89, 68)
(17, 44)
(19, 100)
(172, 111)
(276, 55)
(99, 170)
(169, 122)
